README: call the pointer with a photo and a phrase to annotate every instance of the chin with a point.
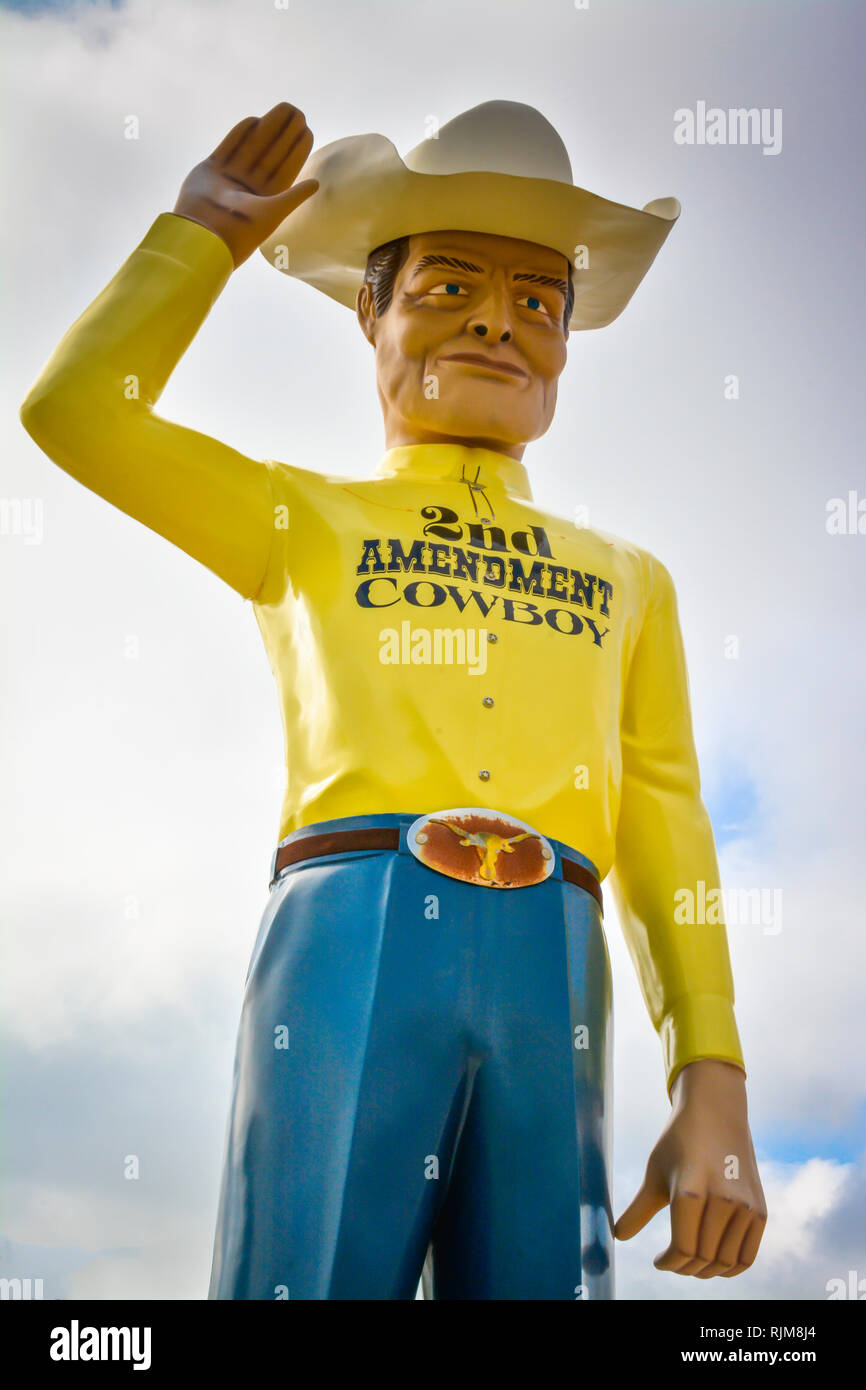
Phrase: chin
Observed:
(476, 427)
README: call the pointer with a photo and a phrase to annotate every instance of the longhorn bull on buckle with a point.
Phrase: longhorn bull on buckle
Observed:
(481, 846)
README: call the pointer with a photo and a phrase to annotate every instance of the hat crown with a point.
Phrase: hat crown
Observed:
(496, 137)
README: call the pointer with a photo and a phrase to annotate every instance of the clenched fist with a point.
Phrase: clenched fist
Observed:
(718, 1211)
(245, 188)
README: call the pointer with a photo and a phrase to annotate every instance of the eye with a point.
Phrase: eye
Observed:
(447, 287)
(533, 302)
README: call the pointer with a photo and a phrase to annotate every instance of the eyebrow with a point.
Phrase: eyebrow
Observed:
(552, 280)
(447, 260)
(524, 275)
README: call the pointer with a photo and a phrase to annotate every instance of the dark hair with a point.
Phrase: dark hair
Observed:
(384, 262)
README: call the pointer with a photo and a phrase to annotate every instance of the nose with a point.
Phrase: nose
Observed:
(482, 331)
(492, 318)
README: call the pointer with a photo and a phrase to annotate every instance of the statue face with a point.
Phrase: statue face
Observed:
(472, 344)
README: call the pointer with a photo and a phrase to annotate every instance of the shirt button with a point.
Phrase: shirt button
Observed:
(484, 775)
(488, 702)
(492, 637)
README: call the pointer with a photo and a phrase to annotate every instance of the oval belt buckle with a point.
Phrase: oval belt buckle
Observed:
(481, 846)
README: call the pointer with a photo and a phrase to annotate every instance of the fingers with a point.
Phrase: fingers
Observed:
(687, 1208)
(711, 1235)
(286, 156)
(731, 1241)
(720, 1214)
(247, 143)
(269, 128)
(227, 146)
(749, 1248)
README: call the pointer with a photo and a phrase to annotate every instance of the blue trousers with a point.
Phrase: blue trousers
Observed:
(422, 1064)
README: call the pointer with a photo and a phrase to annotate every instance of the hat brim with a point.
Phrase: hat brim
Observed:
(367, 196)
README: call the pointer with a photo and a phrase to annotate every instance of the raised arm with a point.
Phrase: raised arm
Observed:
(92, 408)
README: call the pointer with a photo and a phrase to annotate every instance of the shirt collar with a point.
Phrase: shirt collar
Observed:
(485, 468)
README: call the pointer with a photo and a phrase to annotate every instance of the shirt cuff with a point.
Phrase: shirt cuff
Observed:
(701, 1026)
(193, 246)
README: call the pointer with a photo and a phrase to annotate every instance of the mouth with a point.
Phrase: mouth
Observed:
(490, 364)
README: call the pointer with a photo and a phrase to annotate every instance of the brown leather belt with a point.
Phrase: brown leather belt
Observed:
(388, 837)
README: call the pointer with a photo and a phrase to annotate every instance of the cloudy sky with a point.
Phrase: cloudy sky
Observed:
(145, 790)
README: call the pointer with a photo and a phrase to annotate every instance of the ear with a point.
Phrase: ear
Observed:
(366, 311)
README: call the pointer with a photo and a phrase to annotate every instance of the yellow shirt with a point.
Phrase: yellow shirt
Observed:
(437, 639)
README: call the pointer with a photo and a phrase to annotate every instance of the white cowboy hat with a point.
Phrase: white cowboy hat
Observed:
(499, 168)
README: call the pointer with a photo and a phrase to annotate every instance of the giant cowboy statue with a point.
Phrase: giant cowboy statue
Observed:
(486, 711)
